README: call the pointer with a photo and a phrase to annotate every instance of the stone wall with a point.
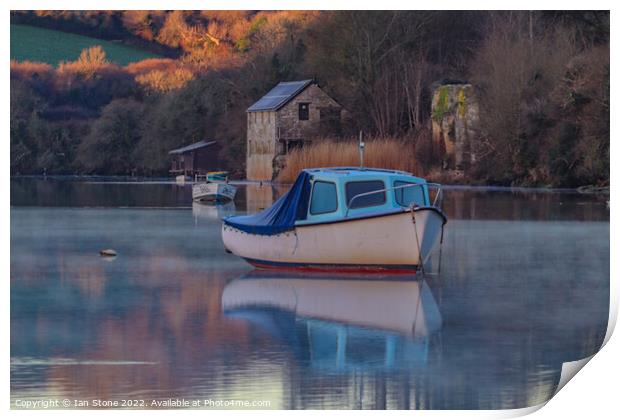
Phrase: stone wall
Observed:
(288, 116)
(455, 116)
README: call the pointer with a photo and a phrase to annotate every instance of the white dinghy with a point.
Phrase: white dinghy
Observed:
(213, 191)
(216, 188)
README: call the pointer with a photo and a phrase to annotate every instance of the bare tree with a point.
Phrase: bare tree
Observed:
(515, 81)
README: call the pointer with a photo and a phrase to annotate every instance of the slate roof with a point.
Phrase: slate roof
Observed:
(277, 97)
(193, 146)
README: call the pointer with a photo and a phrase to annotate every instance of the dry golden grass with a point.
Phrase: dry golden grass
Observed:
(384, 153)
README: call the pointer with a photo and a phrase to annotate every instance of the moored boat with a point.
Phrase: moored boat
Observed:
(217, 176)
(342, 219)
(216, 188)
(213, 191)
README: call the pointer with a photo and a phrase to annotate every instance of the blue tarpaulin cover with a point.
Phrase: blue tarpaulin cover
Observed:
(281, 216)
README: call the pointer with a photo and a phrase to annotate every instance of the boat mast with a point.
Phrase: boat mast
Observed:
(361, 147)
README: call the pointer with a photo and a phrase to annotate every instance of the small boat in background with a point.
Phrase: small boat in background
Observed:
(213, 191)
(219, 176)
(216, 188)
(343, 219)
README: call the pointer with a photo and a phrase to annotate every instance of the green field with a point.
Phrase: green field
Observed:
(50, 46)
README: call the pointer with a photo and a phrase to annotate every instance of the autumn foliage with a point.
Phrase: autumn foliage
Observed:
(542, 79)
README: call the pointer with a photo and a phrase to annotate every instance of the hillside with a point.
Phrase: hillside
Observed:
(50, 46)
(540, 80)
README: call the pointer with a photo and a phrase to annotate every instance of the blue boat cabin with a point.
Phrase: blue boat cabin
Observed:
(339, 193)
(332, 194)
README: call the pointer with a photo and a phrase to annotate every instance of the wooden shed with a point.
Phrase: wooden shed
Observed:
(195, 159)
(288, 116)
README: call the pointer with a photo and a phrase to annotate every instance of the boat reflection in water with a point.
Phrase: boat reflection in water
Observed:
(339, 324)
(212, 211)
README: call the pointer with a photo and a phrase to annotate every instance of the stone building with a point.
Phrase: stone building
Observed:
(455, 116)
(288, 116)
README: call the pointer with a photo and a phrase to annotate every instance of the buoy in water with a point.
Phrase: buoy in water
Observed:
(107, 253)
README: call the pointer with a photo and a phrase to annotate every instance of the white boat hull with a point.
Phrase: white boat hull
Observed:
(213, 191)
(385, 242)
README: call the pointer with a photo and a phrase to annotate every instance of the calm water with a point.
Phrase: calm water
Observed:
(524, 287)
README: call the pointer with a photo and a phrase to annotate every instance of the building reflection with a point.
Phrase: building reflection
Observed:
(259, 197)
(153, 335)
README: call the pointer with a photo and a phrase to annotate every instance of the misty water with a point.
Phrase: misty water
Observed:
(523, 288)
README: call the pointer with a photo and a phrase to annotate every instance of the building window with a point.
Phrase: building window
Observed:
(304, 111)
(361, 187)
(324, 198)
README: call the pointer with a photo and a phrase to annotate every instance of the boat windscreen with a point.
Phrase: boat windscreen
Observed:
(282, 215)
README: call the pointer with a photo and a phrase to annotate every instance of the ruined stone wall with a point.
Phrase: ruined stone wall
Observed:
(288, 116)
(455, 116)
(261, 145)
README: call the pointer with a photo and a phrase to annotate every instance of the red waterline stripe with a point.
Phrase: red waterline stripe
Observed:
(335, 268)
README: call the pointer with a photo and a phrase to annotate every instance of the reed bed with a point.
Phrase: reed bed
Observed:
(385, 153)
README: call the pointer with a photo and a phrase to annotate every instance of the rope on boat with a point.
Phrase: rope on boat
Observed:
(417, 240)
(296, 241)
(440, 249)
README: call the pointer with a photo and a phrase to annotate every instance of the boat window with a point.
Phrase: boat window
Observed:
(324, 198)
(360, 187)
(407, 195)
